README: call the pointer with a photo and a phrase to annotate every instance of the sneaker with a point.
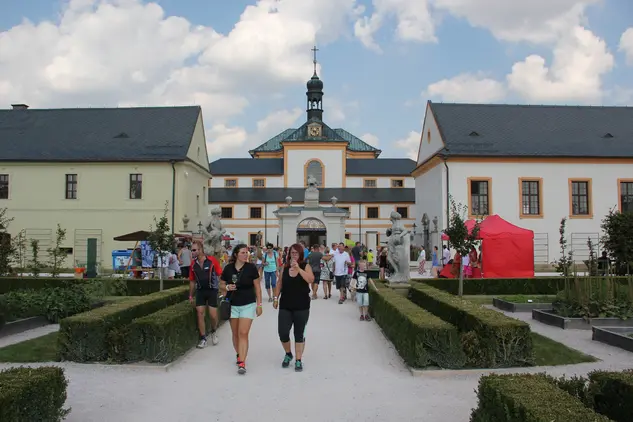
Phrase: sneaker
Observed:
(340, 301)
(241, 368)
(286, 361)
(214, 338)
(270, 299)
(362, 318)
(237, 359)
(298, 366)
(202, 343)
(367, 318)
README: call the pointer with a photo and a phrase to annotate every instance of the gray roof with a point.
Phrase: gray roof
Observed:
(301, 135)
(535, 130)
(247, 166)
(380, 167)
(344, 195)
(97, 134)
(275, 166)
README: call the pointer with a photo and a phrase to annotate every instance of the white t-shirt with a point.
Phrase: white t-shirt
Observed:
(465, 261)
(340, 258)
(446, 256)
(422, 256)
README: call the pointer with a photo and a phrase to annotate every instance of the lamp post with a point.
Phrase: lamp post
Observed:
(199, 227)
(425, 229)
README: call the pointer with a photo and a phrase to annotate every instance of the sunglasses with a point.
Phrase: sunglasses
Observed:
(194, 250)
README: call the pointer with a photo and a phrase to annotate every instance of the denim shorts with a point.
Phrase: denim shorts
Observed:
(244, 311)
(270, 278)
(362, 299)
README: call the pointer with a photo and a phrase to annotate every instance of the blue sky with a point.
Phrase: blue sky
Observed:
(380, 61)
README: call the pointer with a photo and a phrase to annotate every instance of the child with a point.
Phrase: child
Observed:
(362, 290)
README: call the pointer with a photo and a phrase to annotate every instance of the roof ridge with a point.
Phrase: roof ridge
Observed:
(105, 108)
(531, 105)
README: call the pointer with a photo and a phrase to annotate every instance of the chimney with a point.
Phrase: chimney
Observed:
(19, 106)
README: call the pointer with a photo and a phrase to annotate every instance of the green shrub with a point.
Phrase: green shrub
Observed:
(611, 394)
(86, 337)
(499, 286)
(3, 313)
(98, 288)
(162, 336)
(54, 303)
(491, 339)
(33, 394)
(142, 287)
(8, 284)
(421, 339)
(528, 398)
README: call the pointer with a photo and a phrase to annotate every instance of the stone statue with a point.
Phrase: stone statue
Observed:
(397, 253)
(312, 181)
(185, 223)
(212, 233)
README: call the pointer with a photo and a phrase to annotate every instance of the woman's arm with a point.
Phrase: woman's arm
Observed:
(278, 288)
(307, 274)
(258, 290)
(222, 287)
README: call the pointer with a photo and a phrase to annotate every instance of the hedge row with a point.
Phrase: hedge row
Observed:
(491, 339)
(608, 393)
(33, 394)
(86, 337)
(421, 338)
(160, 337)
(503, 286)
(141, 287)
(54, 303)
(528, 398)
(8, 284)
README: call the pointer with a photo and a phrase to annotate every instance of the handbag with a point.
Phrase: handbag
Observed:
(225, 304)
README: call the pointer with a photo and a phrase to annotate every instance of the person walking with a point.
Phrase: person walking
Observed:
(326, 273)
(204, 279)
(184, 259)
(421, 261)
(382, 263)
(341, 262)
(435, 263)
(362, 290)
(314, 259)
(293, 300)
(269, 263)
(240, 283)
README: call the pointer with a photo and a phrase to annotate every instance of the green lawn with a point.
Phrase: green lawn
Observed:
(480, 299)
(548, 352)
(525, 298)
(40, 349)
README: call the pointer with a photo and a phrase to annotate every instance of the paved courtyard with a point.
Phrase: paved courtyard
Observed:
(351, 374)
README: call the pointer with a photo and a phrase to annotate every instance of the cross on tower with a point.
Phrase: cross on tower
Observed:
(314, 51)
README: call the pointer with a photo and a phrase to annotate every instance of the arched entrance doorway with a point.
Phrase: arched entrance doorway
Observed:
(312, 231)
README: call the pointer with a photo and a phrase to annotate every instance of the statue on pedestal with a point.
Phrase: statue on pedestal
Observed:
(212, 233)
(397, 255)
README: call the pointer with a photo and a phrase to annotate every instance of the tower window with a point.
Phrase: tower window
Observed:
(314, 168)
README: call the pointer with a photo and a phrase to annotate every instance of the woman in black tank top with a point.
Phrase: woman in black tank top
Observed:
(294, 304)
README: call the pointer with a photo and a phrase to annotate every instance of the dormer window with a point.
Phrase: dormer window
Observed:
(607, 135)
(473, 133)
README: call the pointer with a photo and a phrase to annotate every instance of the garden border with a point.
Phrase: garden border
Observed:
(507, 306)
(548, 317)
(610, 336)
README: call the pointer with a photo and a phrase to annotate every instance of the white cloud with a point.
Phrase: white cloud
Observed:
(128, 52)
(370, 138)
(626, 45)
(413, 22)
(580, 59)
(222, 139)
(410, 144)
(467, 87)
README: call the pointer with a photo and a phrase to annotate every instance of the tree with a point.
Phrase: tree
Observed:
(161, 239)
(56, 254)
(7, 247)
(19, 245)
(617, 240)
(564, 263)
(460, 239)
(35, 265)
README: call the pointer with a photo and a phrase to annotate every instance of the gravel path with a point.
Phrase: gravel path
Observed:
(351, 374)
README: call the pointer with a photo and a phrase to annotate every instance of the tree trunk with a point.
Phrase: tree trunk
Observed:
(160, 270)
(460, 291)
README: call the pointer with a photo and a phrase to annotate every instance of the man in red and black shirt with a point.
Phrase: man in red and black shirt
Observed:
(204, 278)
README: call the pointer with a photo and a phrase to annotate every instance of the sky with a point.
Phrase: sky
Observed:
(246, 62)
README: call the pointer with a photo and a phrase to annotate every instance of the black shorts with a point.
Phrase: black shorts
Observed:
(317, 276)
(341, 281)
(207, 297)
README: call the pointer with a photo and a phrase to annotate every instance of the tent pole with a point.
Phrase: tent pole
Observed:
(129, 261)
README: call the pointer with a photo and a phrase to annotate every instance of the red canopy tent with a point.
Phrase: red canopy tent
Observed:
(507, 250)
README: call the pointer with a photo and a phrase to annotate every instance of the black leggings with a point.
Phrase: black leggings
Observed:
(289, 318)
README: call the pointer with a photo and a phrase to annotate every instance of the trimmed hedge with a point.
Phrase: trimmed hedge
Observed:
(142, 287)
(8, 284)
(162, 336)
(421, 338)
(54, 303)
(86, 337)
(611, 394)
(33, 394)
(491, 339)
(528, 398)
(503, 286)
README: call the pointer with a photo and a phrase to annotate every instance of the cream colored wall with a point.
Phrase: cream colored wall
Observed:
(333, 161)
(431, 140)
(247, 181)
(192, 197)
(37, 200)
(381, 182)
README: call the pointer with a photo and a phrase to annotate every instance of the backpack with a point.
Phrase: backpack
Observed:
(214, 277)
(266, 257)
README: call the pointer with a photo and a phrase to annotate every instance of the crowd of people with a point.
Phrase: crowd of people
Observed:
(231, 288)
